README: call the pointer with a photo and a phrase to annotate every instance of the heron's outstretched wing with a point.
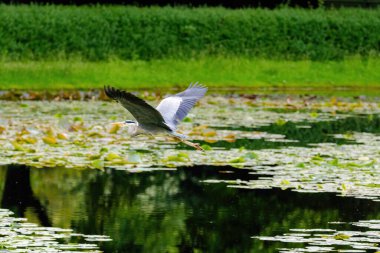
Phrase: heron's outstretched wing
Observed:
(141, 110)
(175, 108)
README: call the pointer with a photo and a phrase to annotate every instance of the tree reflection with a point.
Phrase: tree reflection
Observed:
(171, 211)
(3, 174)
(17, 195)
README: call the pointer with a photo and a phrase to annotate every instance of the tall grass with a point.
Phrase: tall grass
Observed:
(219, 73)
(130, 33)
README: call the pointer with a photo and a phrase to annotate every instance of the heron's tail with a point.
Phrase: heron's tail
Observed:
(178, 135)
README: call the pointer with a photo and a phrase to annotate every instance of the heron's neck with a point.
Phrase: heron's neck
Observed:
(133, 128)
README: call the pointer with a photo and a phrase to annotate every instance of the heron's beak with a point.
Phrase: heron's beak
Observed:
(119, 124)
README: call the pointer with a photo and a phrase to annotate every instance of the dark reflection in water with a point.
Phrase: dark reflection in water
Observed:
(317, 132)
(170, 211)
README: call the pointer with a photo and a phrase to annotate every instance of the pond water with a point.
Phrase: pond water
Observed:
(171, 211)
(279, 174)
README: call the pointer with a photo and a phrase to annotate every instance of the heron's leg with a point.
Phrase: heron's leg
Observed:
(192, 144)
(182, 139)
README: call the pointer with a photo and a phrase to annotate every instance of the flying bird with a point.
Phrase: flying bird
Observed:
(160, 120)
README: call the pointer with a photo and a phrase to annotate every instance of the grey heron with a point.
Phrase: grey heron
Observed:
(162, 119)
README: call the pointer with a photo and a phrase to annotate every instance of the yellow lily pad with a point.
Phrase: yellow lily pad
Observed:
(62, 136)
(49, 140)
(114, 129)
(111, 156)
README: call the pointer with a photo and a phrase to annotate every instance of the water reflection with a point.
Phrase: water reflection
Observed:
(170, 211)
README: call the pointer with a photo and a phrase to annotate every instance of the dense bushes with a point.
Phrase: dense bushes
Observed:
(100, 32)
(197, 3)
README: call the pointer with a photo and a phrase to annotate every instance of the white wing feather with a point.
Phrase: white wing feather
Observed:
(168, 108)
(175, 108)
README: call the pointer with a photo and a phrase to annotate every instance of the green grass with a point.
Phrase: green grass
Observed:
(214, 72)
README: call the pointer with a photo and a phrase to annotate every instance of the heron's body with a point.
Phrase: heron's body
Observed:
(160, 120)
(135, 129)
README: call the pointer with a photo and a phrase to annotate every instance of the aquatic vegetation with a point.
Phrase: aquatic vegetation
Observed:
(332, 240)
(17, 235)
(349, 170)
(79, 135)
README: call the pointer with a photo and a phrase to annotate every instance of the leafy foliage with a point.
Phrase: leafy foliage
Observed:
(104, 32)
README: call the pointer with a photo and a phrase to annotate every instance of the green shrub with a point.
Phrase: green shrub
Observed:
(103, 32)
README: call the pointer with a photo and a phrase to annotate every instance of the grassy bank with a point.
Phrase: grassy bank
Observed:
(214, 72)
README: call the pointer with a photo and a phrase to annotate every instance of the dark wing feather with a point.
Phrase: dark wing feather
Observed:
(141, 110)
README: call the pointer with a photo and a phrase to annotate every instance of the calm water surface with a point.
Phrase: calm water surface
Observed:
(170, 211)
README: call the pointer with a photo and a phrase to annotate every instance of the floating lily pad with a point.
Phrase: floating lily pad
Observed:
(271, 137)
(17, 235)
(331, 240)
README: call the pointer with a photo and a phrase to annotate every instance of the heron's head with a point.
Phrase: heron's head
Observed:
(125, 123)
(130, 122)
(132, 126)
